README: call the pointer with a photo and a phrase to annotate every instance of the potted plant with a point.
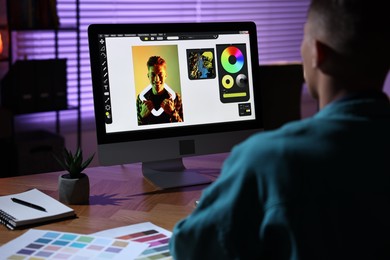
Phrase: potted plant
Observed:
(73, 187)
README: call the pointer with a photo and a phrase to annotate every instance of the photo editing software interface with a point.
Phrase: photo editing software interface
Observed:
(207, 76)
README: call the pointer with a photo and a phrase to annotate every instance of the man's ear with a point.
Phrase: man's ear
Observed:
(327, 59)
(320, 54)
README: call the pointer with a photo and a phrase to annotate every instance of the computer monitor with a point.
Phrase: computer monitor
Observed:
(163, 92)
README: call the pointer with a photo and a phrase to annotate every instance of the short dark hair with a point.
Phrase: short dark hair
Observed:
(155, 60)
(355, 28)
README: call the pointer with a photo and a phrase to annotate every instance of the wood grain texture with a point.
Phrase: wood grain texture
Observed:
(119, 196)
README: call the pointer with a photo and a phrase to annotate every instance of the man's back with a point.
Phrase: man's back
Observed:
(314, 189)
(334, 197)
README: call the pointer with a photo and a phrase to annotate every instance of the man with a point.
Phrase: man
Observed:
(318, 188)
(158, 103)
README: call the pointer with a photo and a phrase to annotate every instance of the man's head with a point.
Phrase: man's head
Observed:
(157, 73)
(348, 42)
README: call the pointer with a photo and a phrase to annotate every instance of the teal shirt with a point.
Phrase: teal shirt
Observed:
(317, 188)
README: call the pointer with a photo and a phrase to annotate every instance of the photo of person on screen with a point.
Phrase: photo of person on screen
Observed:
(158, 103)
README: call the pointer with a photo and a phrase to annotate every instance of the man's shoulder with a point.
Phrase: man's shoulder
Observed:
(292, 130)
(145, 95)
(277, 142)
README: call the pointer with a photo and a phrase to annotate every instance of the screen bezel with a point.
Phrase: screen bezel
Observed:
(106, 138)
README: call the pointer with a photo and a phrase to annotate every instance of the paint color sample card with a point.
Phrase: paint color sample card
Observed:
(45, 244)
(155, 237)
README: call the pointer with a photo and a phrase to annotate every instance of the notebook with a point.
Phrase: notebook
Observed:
(31, 207)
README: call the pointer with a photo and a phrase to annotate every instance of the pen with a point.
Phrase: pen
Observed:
(28, 204)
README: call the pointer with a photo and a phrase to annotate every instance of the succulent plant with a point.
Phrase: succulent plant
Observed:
(73, 163)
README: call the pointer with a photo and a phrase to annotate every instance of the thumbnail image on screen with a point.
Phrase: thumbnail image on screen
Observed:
(201, 64)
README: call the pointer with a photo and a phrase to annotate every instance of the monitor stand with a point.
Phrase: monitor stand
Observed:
(172, 174)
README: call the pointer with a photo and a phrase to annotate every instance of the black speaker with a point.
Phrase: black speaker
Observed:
(35, 86)
(281, 89)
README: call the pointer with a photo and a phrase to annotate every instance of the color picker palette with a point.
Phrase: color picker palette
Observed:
(45, 244)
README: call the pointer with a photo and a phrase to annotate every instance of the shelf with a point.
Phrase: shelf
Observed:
(48, 23)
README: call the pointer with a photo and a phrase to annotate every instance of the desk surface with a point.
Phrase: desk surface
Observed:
(119, 196)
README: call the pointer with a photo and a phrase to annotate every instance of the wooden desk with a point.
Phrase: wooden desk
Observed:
(119, 196)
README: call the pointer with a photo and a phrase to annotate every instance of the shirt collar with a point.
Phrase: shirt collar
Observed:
(360, 104)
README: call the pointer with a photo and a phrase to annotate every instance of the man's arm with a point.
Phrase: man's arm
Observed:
(226, 223)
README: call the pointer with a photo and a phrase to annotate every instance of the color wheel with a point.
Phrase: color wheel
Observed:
(226, 59)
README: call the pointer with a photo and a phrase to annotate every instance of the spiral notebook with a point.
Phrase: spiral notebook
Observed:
(31, 207)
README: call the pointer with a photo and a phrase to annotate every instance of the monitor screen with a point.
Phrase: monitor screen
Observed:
(163, 92)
